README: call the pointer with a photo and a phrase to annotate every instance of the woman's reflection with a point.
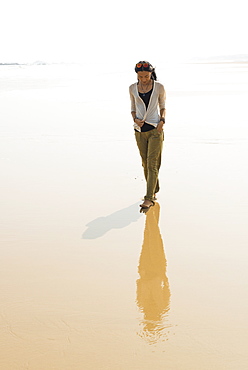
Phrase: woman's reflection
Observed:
(153, 293)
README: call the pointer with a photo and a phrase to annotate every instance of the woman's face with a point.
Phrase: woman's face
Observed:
(144, 77)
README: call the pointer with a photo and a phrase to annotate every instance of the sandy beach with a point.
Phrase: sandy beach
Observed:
(87, 281)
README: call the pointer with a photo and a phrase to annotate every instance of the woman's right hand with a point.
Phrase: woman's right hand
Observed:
(139, 122)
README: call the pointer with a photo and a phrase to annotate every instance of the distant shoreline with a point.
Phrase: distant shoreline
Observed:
(24, 64)
(220, 62)
(184, 62)
(10, 64)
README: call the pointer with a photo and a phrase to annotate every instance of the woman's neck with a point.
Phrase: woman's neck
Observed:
(145, 87)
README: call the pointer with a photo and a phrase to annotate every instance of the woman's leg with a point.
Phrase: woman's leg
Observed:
(157, 187)
(154, 151)
(142, 143)
(150, 147)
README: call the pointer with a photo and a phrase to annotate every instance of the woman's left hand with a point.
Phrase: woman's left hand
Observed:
(160, 126)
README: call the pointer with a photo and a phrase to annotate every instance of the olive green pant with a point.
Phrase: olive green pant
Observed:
(150, 146)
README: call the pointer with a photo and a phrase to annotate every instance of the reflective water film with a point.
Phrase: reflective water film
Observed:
(88, 282)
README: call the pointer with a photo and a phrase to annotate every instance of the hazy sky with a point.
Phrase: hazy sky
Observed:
(113, 31)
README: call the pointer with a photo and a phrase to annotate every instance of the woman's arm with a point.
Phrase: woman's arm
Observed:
(162, 97)
(161, 101)
(162, 120)
(139, 122)
(133, 113)
(162, 113)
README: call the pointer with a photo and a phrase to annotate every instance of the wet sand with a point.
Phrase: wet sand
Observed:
(88, 282)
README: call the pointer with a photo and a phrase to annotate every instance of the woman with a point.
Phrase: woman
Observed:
(147, 95)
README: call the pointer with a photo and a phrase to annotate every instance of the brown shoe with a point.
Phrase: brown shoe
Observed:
(147, 204)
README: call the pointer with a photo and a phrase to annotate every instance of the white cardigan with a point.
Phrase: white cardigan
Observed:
(151, 114)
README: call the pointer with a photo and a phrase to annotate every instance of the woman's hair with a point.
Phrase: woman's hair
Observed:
(146, 66)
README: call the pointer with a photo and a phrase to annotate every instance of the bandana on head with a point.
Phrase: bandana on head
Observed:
(144, 66)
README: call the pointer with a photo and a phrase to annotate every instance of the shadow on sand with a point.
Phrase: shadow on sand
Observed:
(116, 220)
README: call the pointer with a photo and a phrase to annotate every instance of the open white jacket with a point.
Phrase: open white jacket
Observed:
(157, 100)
